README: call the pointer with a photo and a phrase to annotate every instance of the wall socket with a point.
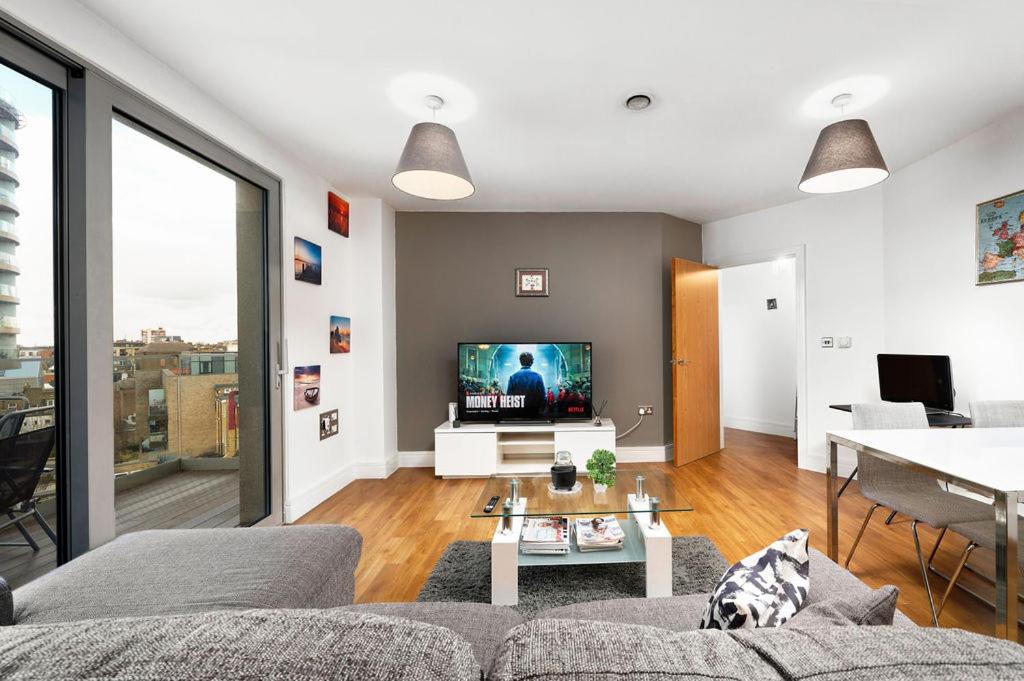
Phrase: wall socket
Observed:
(826, 342)
(645, 410)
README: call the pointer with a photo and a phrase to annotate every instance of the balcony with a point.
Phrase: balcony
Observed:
(8, 294)
(7, 170)
(8, 263)
(178, 499)
(9, 231)
(7, 141)
(7, 201)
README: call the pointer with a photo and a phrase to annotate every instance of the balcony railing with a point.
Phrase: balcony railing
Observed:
(8, 259)
(8, 229)
(8, 290)
(7, 137)
(8, 322)
(8, 167)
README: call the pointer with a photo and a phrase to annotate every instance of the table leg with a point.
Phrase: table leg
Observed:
(1006, 565)
(505, 560)
(832, 520)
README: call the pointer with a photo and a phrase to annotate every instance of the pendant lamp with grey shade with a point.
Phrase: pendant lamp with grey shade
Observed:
(846, 157)
(432, 166)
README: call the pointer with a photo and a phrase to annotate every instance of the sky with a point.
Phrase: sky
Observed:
(173, 232)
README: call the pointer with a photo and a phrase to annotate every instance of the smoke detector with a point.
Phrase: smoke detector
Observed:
(638, 102)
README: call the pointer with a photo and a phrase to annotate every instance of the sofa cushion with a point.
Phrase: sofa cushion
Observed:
(830, 581)
(254, 644)
(6, 604)
(906, 653)
(764, 589)
(168, 572)
(481, 624)
(556, 650)
(675, 613)
(873, 608)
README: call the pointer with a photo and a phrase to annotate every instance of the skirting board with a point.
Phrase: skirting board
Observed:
(766, 427)
(425, 459)
(304, 502)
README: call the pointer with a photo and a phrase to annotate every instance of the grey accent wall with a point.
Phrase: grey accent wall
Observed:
(609, 285)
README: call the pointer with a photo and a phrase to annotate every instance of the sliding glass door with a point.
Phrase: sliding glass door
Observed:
(190, 373)
(30, 489)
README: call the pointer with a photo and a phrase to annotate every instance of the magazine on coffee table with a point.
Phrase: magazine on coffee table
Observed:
(545, 535)
(602, 533)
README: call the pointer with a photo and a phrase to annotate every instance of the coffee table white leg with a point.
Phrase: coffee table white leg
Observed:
(657, 547)
(658, 544)
(505, 561)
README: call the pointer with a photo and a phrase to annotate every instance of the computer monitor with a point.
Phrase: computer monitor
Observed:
(916, 378)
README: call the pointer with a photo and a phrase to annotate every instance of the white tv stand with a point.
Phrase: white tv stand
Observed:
(483, 449)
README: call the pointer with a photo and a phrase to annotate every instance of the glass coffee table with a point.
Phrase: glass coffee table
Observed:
(647, 539)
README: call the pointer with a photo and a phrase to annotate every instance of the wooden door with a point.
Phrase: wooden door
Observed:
(696, 420)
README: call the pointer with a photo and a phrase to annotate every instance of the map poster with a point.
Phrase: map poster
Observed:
(1001, 239)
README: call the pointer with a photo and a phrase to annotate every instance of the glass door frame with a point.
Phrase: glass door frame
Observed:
(112, 99)
(71, 467)
(87, 100)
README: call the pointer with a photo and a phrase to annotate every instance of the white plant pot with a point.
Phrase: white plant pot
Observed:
(599, 488)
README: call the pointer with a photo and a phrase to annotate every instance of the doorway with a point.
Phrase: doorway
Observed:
(794, 259)
(758, 341)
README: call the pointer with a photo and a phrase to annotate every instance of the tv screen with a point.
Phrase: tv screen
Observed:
(524, 381)
(916, 378)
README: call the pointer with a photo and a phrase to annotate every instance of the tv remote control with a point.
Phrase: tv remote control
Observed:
(491, 504)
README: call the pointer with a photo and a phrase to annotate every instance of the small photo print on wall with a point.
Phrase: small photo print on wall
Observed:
(337, 214)
(307, 387)
(341, 334)
(308, 261)
(1001, 239)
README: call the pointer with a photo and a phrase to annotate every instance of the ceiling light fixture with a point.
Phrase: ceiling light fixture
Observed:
(432, 166)
(638, 102)
(845, 157)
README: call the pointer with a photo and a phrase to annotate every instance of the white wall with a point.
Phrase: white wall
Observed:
(894, 267)
(758, 346)
(313, 470)
(932, 303)
(844, 297)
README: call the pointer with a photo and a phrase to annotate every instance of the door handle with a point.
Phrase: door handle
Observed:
(679, 362)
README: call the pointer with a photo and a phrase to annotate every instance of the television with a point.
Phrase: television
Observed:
(525, 381)
(916, 378)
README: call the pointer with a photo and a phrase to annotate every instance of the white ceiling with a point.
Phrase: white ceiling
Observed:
(537, 87)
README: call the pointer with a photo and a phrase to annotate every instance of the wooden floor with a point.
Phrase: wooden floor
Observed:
(182, 500)
(744, 497)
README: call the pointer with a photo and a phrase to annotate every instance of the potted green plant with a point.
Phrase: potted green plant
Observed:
(601, 468)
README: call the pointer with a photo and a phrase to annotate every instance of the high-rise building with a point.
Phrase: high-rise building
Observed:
(157, 335)
(10, 121)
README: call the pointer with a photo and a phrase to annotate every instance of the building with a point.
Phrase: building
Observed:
(157, 335)
(10, 121)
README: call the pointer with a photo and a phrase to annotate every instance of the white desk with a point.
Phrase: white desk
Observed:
(984, 460)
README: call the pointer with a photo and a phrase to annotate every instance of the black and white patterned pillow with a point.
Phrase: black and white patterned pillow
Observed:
(764, 589)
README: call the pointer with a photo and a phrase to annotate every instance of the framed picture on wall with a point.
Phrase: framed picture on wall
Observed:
(341, 334)
(1000, 240)
(531, 282)
(337, 214)
(308, 261)
(306, 391)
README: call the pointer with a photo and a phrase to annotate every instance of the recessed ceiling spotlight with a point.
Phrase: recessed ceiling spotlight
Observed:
(638, 102)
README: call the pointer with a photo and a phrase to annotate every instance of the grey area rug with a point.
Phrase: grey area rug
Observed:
(463, 573)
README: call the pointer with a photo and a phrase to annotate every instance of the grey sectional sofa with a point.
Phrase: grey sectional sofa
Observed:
(277, 603)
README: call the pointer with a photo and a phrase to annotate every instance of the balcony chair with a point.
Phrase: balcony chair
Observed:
(989, 414)
(909, 492)
(22, 461)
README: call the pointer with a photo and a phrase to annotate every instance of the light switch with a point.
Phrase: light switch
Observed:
(844, 342)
